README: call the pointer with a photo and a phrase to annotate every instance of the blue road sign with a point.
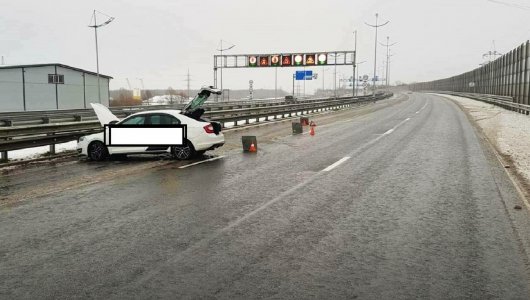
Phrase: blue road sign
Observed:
(304, 75)
(300, 75)
(308, 75)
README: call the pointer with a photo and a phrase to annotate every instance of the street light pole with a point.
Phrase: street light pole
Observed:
(376, 26)
(222, 64)
(354, 60)
(294, 76)
(96, 26)
(275, 83)
(335, 79)
(388, 45)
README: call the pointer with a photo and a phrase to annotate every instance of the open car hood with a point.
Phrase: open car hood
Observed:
(199, 100)
(105, 116)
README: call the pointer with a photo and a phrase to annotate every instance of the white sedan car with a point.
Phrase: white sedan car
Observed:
(202, 135)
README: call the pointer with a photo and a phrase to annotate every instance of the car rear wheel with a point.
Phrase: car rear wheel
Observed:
(97, 151)
(183, 152)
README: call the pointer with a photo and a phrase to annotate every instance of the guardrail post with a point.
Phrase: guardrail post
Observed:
(46, 120)
(3, 154)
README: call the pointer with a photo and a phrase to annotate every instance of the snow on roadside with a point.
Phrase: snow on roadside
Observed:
(508, 130)
(35, 152)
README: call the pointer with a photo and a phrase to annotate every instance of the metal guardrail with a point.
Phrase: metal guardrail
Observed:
(75, 115)
(502, 101)
(28, 131)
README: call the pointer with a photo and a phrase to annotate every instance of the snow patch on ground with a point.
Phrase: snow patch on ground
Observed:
(36, 152)
(508, 130)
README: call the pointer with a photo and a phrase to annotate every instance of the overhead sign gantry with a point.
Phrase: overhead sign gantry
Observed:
(279, 60)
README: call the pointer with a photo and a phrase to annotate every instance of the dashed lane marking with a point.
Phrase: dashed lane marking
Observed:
(201, 162)
(336, 164)
(422, 108)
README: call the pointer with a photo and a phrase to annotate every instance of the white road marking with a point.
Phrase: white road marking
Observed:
(202, 161)
(395, 127)
(336, 164)
(422, 108)
(204, 242)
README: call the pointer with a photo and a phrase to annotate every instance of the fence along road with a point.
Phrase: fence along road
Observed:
(508, 75)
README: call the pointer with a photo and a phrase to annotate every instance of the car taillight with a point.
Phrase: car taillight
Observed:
(209, 128)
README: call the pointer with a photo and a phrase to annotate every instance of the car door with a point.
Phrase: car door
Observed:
(160, 119)
(133, 120)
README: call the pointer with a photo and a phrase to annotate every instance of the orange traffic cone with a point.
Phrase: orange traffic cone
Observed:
(312, 126)
(252, 148)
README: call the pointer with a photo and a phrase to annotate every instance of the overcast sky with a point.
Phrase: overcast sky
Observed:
(158, 40)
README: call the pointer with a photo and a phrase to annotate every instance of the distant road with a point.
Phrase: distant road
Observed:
(401, 203)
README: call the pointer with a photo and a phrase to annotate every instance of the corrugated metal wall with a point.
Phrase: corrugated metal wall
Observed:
(71, 93)
(40, 95)
(11, 93)
(508, 75)
(27, 89)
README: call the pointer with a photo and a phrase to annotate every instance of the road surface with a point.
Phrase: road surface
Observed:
(403, 202)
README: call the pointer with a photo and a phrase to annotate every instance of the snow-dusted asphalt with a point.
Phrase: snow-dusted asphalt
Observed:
(400, 203)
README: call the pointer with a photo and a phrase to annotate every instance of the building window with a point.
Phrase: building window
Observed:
(55, 78)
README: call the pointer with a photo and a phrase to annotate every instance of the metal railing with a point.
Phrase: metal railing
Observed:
(502, 101)
(20, 131)
(509, 76)
(75, 115)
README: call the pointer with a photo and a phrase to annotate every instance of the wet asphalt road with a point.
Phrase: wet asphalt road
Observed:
(405, 202)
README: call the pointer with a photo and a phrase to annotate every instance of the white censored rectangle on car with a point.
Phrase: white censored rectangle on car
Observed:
(144, 135)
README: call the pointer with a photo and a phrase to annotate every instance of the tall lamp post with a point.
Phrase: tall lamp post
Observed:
(354, 64)
(388, 45)
(221, 49)
(376, 26)
(323, 81)
(96, 26)
(335, 75)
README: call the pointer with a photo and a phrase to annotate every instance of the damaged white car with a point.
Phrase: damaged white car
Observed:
(202, 135)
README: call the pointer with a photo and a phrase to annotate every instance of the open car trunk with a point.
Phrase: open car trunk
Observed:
(194, 108)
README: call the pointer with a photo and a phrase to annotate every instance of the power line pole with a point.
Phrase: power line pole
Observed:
(376, 26)
(388, 45)
(188, 79)
(493, 53)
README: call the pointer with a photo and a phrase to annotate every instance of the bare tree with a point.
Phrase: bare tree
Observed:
(172, 93)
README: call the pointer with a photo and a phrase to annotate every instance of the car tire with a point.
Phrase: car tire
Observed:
(184, 152)
(97, 151)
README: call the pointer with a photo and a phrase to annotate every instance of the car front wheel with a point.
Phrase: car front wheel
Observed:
(183, 152)
(97, 151)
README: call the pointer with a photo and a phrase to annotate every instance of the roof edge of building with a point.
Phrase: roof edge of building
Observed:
(57, 65)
